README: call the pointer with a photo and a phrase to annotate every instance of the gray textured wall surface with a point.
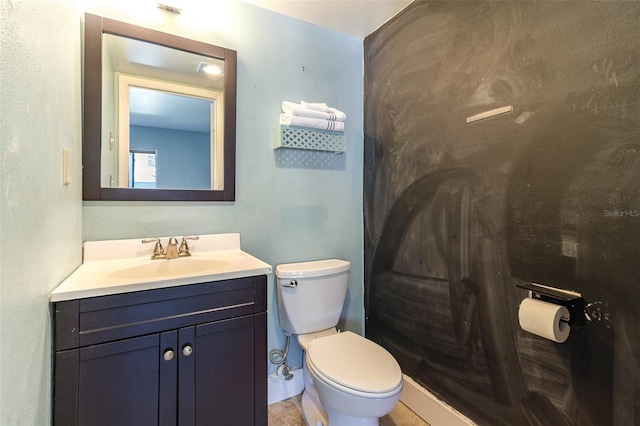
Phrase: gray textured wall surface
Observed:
(457, 214)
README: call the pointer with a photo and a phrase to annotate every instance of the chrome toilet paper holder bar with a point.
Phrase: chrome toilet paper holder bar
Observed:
(572, 300)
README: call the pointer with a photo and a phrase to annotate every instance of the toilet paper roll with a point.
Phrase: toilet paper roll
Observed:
(543, 319)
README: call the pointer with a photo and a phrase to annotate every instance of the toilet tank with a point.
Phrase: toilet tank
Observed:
(311, 294)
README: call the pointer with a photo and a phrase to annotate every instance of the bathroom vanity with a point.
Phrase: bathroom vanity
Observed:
(179, 349)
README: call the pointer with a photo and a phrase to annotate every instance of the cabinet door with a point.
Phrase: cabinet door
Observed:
(126, 382)
(218, 379)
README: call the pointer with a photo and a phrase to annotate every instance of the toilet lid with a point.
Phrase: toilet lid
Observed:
(355, 362)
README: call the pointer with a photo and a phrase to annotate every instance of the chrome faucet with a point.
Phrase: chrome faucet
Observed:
(184, 247)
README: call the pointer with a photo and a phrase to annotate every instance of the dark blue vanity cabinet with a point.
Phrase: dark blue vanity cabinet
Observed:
(187, 355)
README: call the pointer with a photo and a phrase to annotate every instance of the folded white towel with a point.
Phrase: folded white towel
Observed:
(340, 116)
(314, 123)
(291, 108)
(318, 106)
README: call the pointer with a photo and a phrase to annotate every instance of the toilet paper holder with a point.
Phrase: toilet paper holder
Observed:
(572, 300)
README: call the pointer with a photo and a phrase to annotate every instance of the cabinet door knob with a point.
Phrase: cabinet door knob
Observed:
(168, 355)
(187, 350)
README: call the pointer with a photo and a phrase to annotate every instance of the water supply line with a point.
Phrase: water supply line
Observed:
(279, 358)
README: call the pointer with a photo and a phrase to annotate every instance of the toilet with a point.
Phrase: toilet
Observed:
(348, 379)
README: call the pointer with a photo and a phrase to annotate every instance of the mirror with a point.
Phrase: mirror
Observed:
(159, 116)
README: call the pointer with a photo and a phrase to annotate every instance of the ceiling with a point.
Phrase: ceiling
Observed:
(357, 18)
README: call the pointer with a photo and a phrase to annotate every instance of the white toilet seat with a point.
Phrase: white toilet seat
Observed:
(354, 365)
(351, 391)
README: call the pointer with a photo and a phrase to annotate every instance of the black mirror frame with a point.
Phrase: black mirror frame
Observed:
(94, 27)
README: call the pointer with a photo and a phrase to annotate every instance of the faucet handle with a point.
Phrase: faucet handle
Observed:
(184, 247)
(158, 250)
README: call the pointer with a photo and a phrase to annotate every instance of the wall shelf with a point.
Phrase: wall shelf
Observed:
(292, 137)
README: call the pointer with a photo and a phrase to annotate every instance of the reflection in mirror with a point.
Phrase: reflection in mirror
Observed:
(178, 130)
(165, 108)
(181, 123)
(142, 168)
(166, 115)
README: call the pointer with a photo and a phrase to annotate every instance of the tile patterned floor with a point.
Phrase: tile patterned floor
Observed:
(289, 413)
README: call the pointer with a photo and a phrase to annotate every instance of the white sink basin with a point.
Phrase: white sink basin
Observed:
(170, 267)
(121, 266)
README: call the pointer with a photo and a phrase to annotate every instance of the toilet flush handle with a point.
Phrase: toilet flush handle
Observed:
(292, 284)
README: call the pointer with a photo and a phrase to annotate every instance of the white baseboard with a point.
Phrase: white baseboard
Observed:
(280, 389)
(431, 409)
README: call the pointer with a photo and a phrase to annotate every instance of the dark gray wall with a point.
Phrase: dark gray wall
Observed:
(457, 214)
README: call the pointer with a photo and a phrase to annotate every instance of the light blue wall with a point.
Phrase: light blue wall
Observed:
(40, 218)
(183, 159)
(288, 207)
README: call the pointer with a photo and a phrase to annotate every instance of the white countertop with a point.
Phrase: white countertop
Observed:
(121, 266)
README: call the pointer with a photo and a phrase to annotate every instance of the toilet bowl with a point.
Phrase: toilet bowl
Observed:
(356, 380)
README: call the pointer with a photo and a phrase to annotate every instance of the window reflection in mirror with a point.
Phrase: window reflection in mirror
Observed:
(142, 168)
(176, 110)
